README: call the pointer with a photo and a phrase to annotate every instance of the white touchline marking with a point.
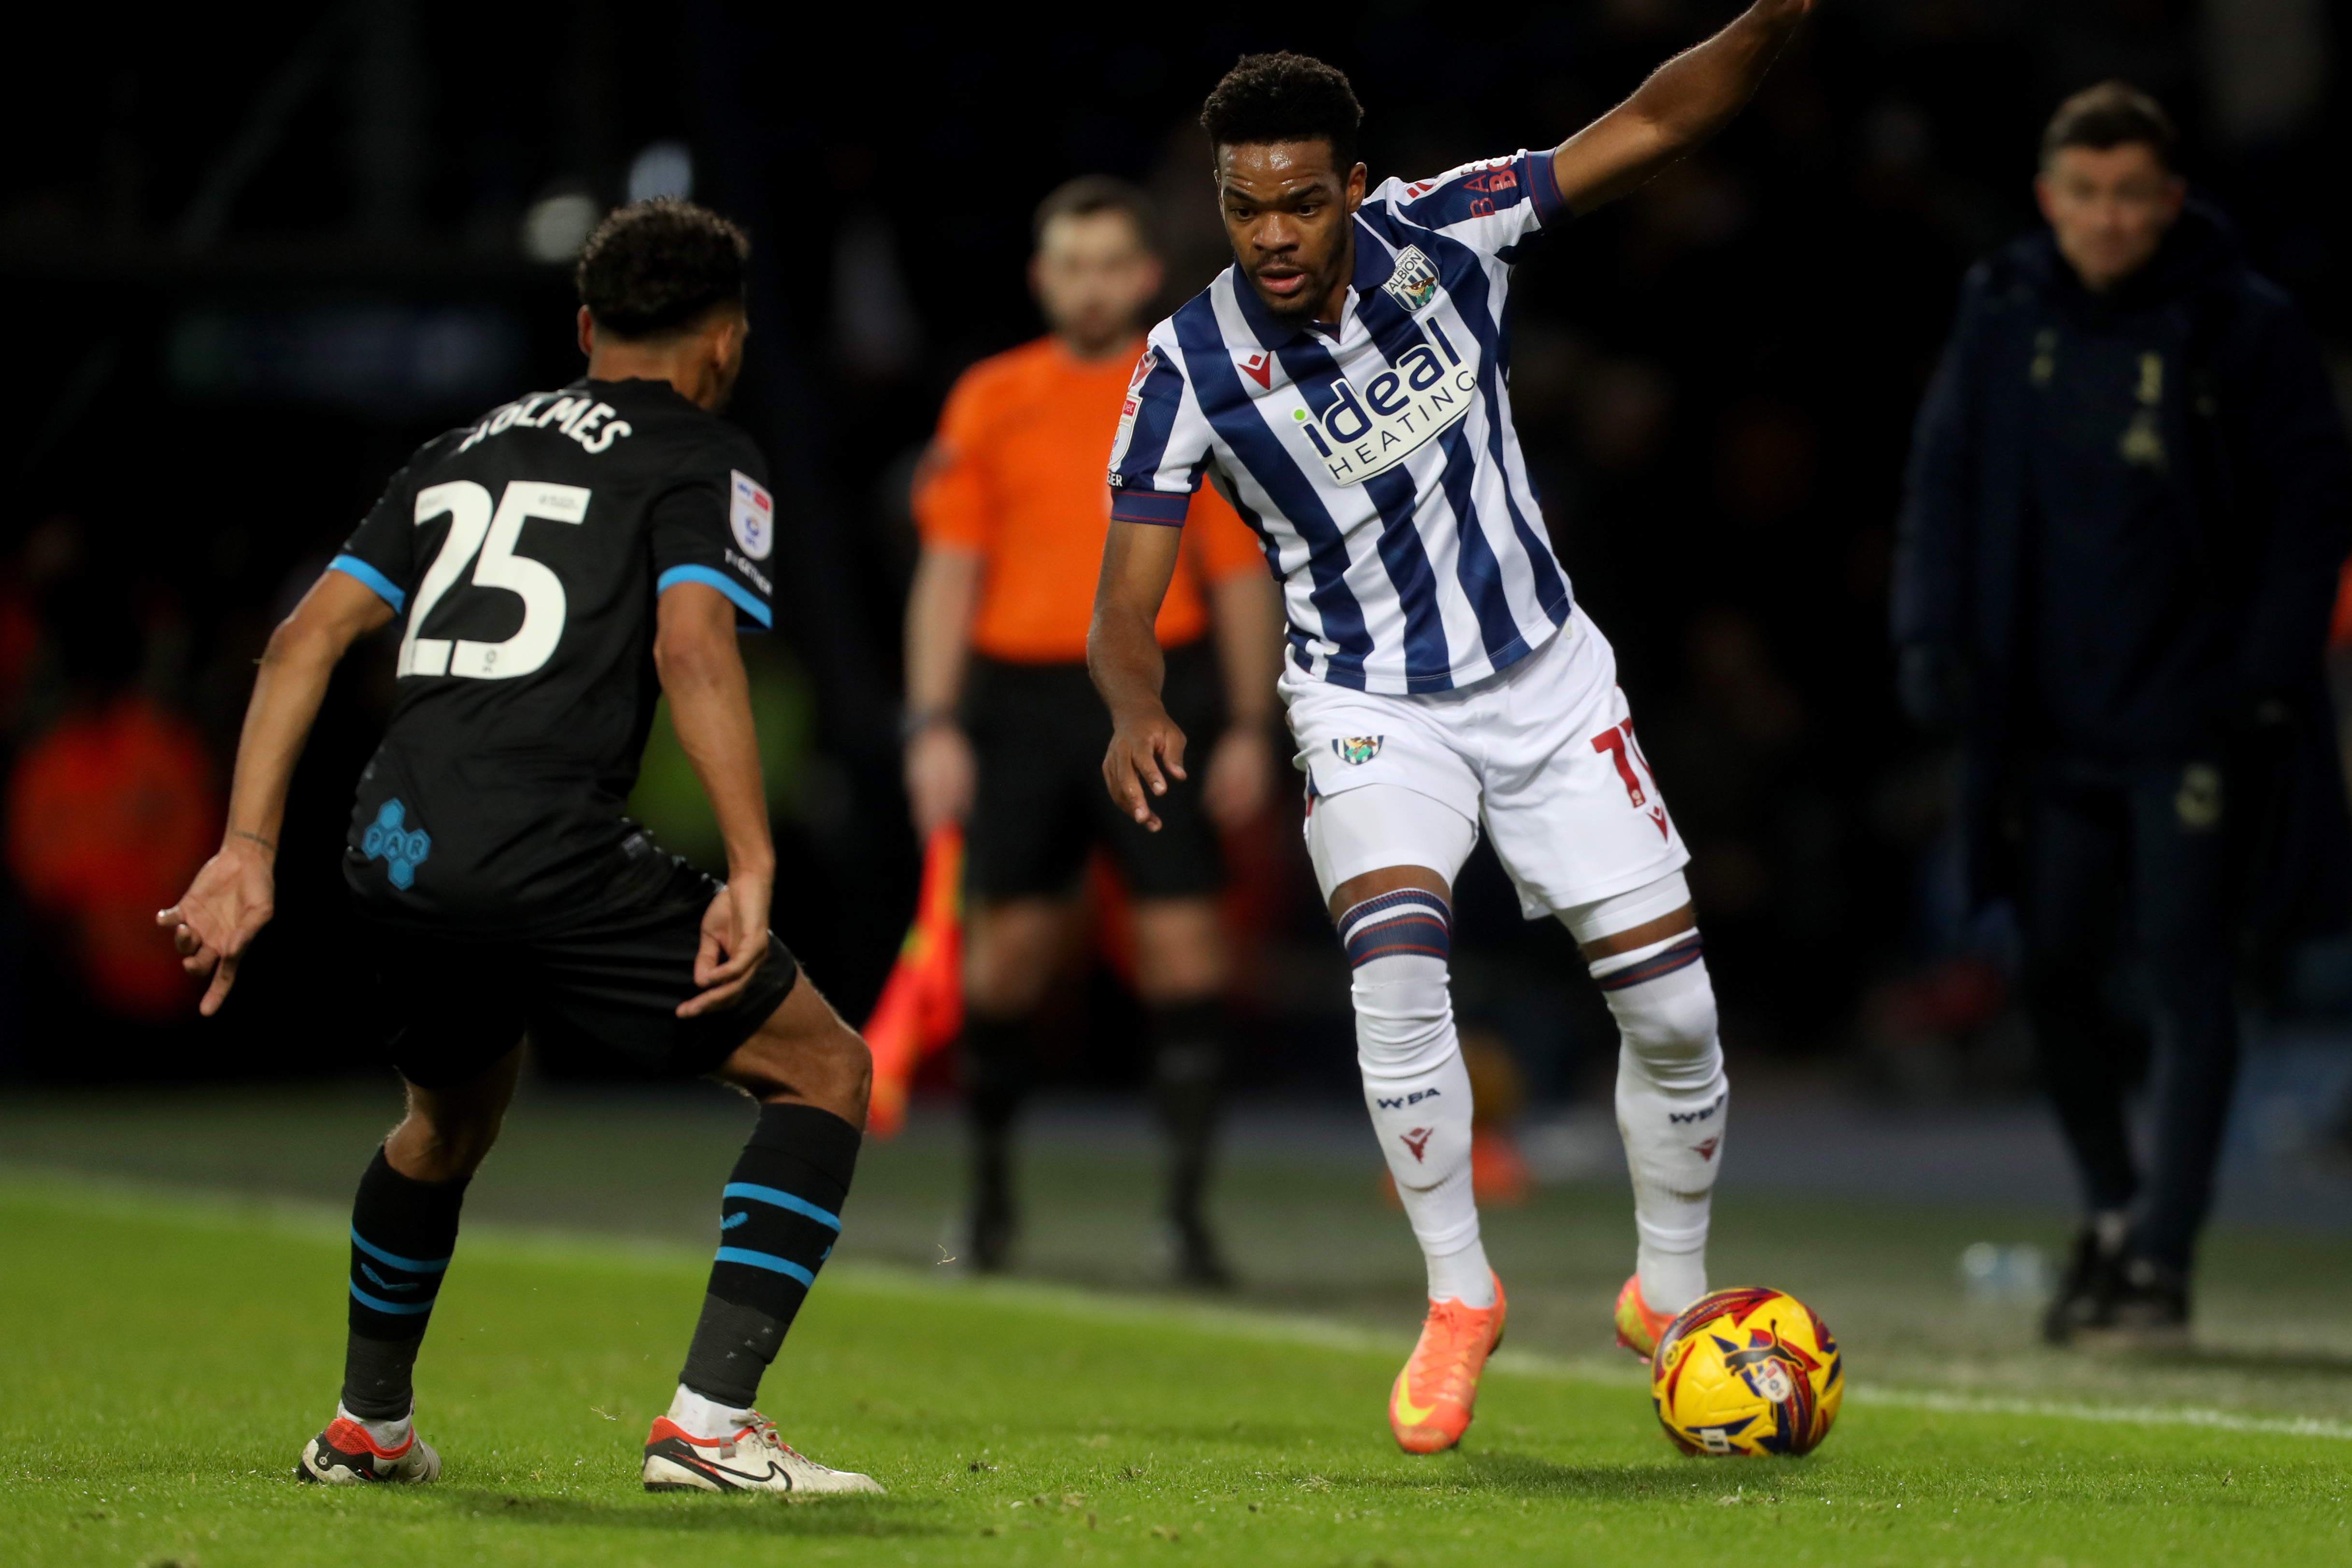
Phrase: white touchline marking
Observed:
(2122, 1414)
(1282, 1329)
(319, 1222)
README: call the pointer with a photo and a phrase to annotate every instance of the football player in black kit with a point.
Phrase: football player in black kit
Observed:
(559, 564)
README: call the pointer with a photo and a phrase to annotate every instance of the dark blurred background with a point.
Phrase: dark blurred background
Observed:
(255, 264)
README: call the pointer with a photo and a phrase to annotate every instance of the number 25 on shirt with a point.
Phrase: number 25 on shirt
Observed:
(475, 531)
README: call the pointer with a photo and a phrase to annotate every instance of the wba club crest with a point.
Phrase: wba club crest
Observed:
(1415, 281)
(1358, 749)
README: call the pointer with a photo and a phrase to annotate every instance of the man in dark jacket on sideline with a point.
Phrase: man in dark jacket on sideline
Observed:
(2129, 493)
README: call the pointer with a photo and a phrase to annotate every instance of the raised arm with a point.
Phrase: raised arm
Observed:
(1685, 101)
(235, 893)
(710, 708)
(1123, 657)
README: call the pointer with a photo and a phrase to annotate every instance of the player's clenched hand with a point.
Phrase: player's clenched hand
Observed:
(217, 918)
(1147, 750)
(734, 941)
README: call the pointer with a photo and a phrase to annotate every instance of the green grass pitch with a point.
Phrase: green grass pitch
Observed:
(161, 1363)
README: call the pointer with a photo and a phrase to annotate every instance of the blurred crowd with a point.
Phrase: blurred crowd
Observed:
(307, 272)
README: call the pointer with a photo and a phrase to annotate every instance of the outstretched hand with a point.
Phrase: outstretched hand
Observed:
(1684, 102)
(232, 898)
(1147, 750)
(734, 943)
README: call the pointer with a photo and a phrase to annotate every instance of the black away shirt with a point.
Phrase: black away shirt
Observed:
(524, 554)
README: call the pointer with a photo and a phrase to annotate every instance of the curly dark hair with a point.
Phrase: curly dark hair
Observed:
(2109, 115)
(652, 267)
(1285, 97)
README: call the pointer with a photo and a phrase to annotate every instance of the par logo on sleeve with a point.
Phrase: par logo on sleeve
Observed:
(752, 514)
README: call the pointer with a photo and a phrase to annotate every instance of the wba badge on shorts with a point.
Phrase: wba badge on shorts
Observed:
(1357, 750)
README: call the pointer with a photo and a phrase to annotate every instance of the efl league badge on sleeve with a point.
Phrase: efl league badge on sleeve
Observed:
(1144, 366)
(1415, 281)
(752, 514)
(1357, 750)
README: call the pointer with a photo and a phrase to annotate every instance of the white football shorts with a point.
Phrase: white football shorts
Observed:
(1541, 755)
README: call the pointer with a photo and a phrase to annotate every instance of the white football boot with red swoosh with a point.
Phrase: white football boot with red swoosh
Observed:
(344, 1455)
(752, 1459)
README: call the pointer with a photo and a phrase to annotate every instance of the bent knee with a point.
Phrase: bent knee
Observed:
(853, 1062)
(1688, 1019)
(827, 1065)
(1403, 1026)
(1665, 1025)
(428, 1148)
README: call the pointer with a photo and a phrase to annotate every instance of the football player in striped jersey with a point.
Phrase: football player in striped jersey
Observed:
(1343, 384)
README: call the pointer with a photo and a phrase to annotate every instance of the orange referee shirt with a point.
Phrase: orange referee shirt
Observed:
(1016, 476)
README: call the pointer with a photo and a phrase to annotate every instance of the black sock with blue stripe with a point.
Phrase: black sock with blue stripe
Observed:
(780, 1217)
(402, 1233)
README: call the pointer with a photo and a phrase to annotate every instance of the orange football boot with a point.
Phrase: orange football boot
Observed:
(1430, 1407)
(1639, 1329)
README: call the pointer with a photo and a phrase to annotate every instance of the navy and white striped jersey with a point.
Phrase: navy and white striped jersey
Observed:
(1379, 467)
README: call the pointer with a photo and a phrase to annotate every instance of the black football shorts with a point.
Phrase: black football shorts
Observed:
(605, 989)
(1040, 732)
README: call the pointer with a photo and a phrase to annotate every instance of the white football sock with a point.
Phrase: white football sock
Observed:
(1414, 1083)
(384, 1435)
(700, 1418)
(1672, 1102)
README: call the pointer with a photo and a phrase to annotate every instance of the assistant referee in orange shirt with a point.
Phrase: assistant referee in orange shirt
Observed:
(1005, 734)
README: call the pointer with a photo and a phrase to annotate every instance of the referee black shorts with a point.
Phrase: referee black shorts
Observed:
(606, 988)
(1040, 732)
